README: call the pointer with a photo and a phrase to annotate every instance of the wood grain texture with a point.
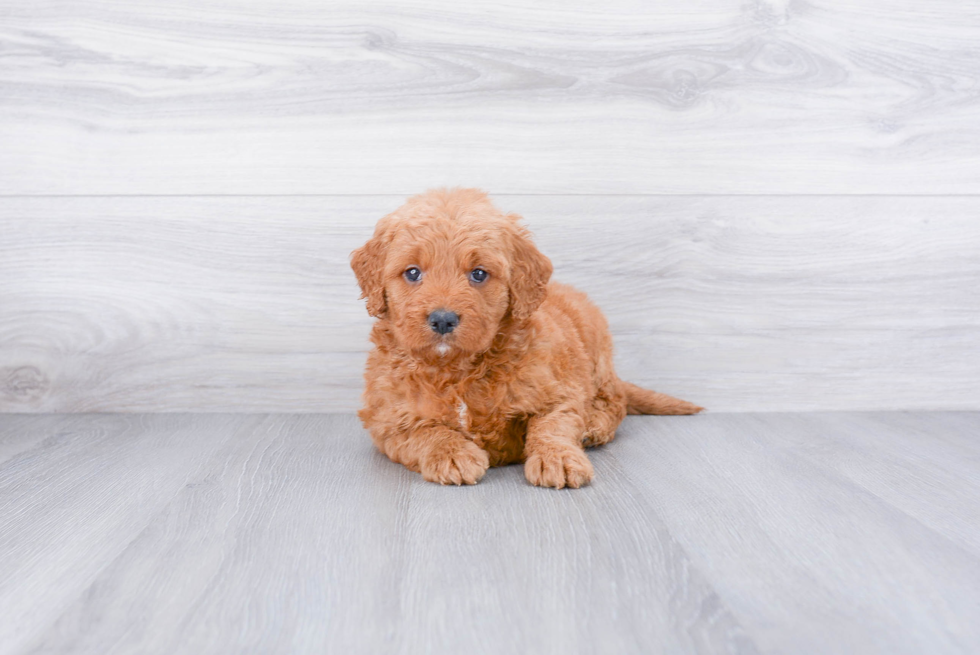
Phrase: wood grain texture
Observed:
(306, 96)
(779, 532)
(248, 304)
(938, 487)
(289, 533)
(117, 473)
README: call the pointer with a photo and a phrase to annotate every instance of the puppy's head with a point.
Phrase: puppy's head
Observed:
(446, 268)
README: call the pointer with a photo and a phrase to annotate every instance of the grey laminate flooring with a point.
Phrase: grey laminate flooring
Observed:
(796, 533)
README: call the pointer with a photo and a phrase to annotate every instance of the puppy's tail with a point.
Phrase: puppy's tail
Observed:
(644, 401)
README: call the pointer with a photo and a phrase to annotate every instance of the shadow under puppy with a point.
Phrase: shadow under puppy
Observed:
(478, 360)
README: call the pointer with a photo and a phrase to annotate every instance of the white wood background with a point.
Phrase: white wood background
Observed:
(540, 96)
(774, 303)
(774, 202)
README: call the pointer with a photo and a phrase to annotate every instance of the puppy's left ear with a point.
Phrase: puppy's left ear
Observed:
(530, 272)
(368, 263)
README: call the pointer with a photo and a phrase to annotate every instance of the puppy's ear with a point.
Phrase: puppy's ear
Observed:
(368, 263)
(530, 272)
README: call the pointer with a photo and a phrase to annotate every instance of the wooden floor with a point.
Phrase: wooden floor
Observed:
(794, 533)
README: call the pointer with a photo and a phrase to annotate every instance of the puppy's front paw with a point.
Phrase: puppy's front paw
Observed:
(558, 467)
(456, 462)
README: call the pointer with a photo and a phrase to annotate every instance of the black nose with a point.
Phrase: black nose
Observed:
(442, 321)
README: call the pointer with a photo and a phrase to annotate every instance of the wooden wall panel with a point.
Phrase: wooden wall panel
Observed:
(248, 304)
(314, 97)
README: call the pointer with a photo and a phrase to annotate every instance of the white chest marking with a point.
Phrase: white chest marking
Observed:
(464, 419)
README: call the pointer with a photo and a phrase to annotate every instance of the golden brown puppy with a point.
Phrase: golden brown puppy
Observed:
(478, 360)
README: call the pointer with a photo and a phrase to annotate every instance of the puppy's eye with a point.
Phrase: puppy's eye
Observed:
(412, 274)
(478, 275)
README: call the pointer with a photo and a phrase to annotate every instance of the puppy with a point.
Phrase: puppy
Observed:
(478, 361)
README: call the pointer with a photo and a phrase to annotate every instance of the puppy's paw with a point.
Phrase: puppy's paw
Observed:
(456, 462)
(558, 467)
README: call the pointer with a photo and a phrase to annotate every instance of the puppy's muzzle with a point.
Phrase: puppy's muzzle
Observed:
(443, 321)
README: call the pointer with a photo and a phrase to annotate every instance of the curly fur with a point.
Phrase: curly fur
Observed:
(527, 375)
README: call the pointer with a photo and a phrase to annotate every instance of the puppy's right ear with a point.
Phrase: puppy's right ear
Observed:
(368, 263)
